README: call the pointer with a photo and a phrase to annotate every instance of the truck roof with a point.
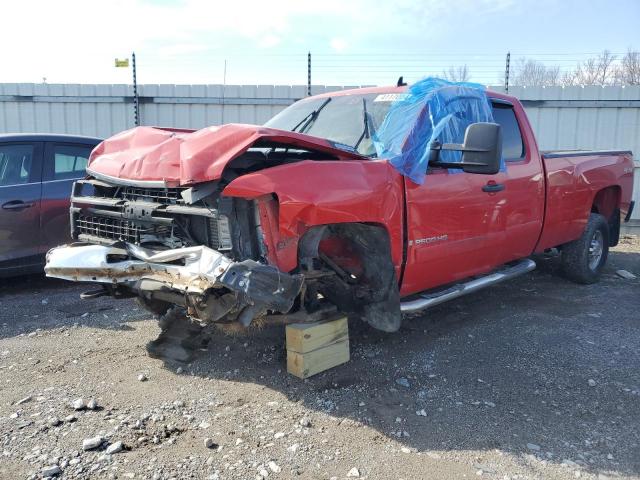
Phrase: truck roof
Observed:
(395, 89)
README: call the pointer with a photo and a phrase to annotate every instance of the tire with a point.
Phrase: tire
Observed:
(584, 258)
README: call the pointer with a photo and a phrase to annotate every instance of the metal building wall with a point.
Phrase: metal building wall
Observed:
(588, 117)
(102, 110)
(563, 118)
(95, 110)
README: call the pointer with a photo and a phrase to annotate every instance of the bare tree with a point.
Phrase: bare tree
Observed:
(457, 74)
(528, 73)
(628, 73)
(600, 70)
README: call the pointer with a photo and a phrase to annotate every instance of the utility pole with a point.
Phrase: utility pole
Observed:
(136, 105)
(309, 74)
(506, 73)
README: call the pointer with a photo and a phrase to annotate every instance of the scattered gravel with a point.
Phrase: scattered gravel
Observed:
(92, 443)
(23, 400)
(115, 447)
(403, 382)
(51, 471)
(305, 422)
(626, 274)
(494, 385)
(353, 473)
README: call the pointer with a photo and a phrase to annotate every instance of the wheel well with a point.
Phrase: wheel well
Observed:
(365, 283)
(325, 238)
(607, 203)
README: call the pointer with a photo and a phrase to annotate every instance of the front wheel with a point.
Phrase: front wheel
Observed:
(584, 258)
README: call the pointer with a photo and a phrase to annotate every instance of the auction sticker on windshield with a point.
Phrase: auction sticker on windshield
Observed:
(391, 97)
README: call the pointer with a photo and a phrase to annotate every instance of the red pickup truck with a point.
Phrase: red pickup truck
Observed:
(239, 222)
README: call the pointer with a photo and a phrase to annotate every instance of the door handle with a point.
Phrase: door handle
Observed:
(16, 205)
(493, 187)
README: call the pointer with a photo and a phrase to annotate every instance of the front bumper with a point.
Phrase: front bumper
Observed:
(200, 274)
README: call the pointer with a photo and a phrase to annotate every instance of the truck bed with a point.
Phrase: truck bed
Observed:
(579, 182)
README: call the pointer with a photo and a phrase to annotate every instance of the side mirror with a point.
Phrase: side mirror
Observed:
(481, 150)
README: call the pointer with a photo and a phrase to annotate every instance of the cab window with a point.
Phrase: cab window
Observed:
(512, 145)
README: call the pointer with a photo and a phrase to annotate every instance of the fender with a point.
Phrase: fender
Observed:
(295, 197)
(573, 189)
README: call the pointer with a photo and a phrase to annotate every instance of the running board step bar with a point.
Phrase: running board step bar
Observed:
(427, 300)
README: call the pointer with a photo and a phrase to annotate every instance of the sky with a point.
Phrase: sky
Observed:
(352, 42)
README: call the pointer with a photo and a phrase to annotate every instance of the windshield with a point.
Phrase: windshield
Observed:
(340, 119)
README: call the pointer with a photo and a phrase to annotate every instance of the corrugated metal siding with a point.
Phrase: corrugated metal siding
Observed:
(582, 127)
(102, 110)
(53, 108)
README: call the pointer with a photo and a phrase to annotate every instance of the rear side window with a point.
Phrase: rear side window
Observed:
(16, 162)
(512, 145)
(70, 161)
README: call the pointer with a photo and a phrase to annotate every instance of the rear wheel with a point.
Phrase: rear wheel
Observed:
(584, 258)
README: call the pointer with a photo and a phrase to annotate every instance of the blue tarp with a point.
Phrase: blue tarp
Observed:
(434, 109)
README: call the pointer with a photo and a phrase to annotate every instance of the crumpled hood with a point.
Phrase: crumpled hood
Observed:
(184, 157)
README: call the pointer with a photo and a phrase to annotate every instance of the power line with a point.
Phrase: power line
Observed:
(355, 68)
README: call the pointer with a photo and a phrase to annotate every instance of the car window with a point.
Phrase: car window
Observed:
(15, 164)
(70, 161)
(512, 146)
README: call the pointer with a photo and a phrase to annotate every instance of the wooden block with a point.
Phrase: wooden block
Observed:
(315, 347)
(304, 365)
(307, 337)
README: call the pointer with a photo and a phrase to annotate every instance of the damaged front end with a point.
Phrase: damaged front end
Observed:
(208, 284)
(221, 223)
(184, 246)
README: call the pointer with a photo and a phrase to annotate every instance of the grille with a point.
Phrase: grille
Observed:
(165, 196)
(110, 228)
(219, 233)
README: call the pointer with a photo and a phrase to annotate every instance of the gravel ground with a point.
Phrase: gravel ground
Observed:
(535, 378)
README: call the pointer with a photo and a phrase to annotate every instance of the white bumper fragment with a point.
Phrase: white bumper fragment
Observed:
(192, 269)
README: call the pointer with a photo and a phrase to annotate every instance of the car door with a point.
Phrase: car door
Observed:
(452, 228)
(522, 198)
(63, 164)
(20, 193)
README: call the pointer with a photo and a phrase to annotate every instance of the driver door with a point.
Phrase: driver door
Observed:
(453, 230)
